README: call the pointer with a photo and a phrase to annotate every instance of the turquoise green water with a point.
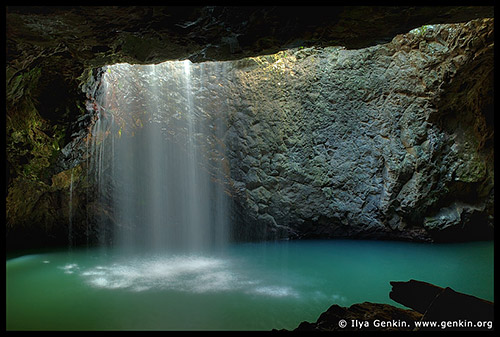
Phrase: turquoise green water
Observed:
(257, 286)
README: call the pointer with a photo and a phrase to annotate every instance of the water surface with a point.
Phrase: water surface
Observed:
(253, 286)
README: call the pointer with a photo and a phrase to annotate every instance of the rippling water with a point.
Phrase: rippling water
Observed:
(257, 286)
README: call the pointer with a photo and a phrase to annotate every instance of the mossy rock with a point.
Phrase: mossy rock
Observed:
(63, 180)
(26, 203)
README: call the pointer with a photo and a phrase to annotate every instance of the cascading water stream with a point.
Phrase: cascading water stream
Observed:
(70, 217)
(157, 186)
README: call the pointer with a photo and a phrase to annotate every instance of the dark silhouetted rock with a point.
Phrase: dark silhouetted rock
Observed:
(363, 316)
(413, 294)
(443, 305)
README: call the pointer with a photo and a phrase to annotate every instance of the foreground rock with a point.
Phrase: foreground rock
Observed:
(442, 304)
(444, 308)
(363, 316)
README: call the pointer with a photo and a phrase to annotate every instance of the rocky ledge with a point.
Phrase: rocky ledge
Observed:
(432, 308)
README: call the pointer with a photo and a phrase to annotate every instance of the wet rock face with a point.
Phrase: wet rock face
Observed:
(389, 141)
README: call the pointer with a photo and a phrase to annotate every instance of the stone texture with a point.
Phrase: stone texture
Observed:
(351, 143)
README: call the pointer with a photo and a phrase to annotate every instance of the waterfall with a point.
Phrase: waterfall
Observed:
(70, 212)
(157, 185)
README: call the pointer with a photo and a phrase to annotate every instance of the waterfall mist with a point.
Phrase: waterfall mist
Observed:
(158, 158)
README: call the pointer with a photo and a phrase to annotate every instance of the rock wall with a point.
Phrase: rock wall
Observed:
(391, 141)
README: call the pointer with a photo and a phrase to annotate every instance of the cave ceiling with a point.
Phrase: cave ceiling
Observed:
(78, 37)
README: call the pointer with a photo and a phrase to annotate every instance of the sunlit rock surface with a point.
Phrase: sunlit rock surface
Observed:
(377, 142)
